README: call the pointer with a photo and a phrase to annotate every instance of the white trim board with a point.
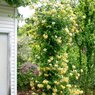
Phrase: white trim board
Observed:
(12, 47)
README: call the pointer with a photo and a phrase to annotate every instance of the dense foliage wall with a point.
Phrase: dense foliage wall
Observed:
(62, 44)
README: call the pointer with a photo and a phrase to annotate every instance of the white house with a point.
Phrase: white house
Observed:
(8, 50)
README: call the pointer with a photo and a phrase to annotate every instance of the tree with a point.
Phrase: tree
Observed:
(85, 41)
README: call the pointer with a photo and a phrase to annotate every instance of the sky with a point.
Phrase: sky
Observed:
(26, 12)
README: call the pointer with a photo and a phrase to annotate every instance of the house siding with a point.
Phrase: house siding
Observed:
(9, 25)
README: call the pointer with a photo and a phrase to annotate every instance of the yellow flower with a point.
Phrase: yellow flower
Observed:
(54, 90)
(45, 81)
(59, 57)
(84, 17)
(81, 92)
(48, 87)
(45, 36)
(63, 71)
(81, 70)
(65, 79)
(73, 67)
(55, 65)
(54, 94)
(62, 11)
(44, 49)
(51, 58)
(31, 83)
(47, 68)
(53, 11)
(63, 87)
(46, 75)
(43, 21)
(60, 69)
(61, 92)
(71, 74)
(67, 30)
(53, 23)
(68, 85)
(34, 93)
(77, 77)
(59, 41)
(77, 92)
(40, 85)
(56, 82)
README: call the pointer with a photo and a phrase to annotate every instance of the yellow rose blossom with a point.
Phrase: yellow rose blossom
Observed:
(43, 21)
(81, 70)
(46, 75)
(73, 67)
(45, 81)
(84, 17)
(47, 68)
(56, 82)
(51, 58)
(48, 87)
(67, 30)
(59, 41)
(61, 92)
(54, 90)
(40, 85)
(71, 74)
(62, 11)
(63, 71)
(60, 69)
(33, 88)
(53, 23)
(45, 36)
(53, 11)
(44, 49)
(77, 92)
(54, 94)
(34, 93)
(77, 77)
(63, 87)
(31, 83)
(55, 65)
(59, 57)
(69, 85)
(65, 79)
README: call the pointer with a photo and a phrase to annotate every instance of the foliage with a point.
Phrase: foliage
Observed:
(62, 43)
(25, 72)
(18, 3)
(85, 41)
(53, 26)
(24, 56)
